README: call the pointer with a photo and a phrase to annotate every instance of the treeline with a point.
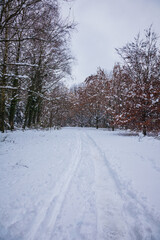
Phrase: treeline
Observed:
(127, 98)
(34, 57)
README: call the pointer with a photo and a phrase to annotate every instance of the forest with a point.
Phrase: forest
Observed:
(35, 58)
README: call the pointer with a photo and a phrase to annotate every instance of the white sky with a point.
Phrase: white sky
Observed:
(104, 25)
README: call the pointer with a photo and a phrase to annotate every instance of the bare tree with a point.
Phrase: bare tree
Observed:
(34, 57)
(141, 59)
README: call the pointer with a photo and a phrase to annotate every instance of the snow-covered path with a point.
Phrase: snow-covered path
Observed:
(79, 184)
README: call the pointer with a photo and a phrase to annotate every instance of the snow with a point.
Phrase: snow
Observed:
(24, 64)
(8, 87)
(79, 183)
(16, 76)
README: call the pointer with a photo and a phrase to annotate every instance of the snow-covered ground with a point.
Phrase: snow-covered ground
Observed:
(78, 183)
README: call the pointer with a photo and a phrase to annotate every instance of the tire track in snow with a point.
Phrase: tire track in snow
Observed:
(110, 221)
(45, 220)
(78, 216)
(139, 223)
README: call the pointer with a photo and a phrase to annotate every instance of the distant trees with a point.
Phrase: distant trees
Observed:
(130, 96)
(95, 96)
(88, 109)
(56, 107)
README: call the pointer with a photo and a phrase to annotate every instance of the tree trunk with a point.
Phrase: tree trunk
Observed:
(97, 122)
(51, 119)
(14, 92)
(39, 108)
(144, 123)
(2, 109)
(3, 80)
(144, 130)
(12, 112)
(28, 111)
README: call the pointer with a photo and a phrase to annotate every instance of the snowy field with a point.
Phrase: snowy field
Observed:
(78, 183)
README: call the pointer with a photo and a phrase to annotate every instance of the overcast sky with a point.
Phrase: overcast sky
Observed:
(104, 25)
